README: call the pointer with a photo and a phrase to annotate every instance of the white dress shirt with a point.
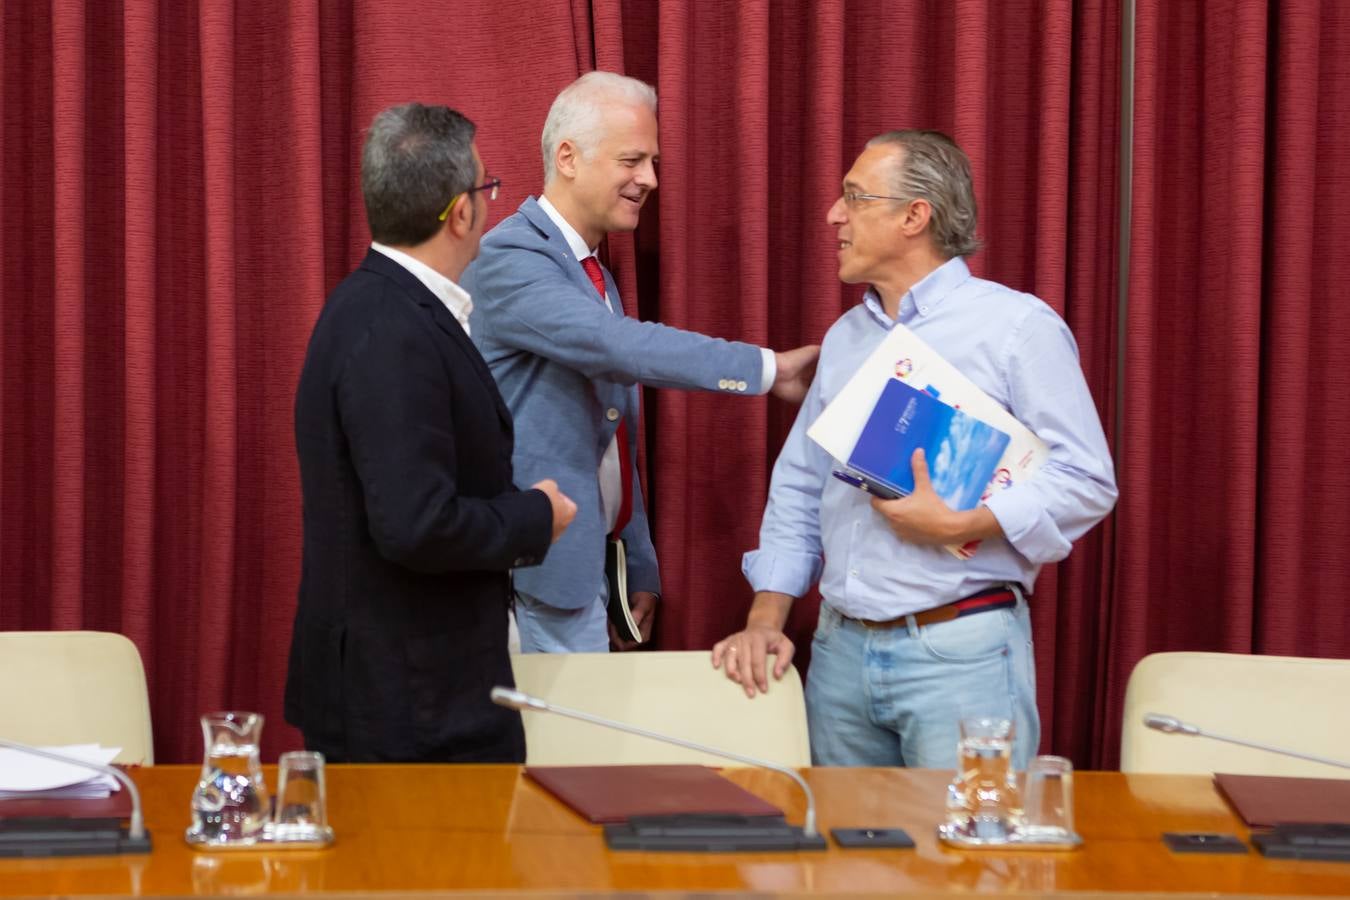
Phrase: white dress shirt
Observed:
(455, 298)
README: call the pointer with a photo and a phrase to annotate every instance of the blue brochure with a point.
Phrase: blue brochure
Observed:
(962, 451)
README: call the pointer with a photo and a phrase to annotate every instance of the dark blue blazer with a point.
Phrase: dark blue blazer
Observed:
(411, 525)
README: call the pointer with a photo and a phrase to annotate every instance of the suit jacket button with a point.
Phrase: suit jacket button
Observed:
(612, 414)
(740, 385)
(722, 383)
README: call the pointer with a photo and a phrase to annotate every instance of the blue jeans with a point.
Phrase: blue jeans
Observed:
(895, 696)
(548, 629)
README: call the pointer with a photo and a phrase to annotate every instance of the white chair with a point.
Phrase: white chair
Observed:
(1292, 702)
(75, 687)
(674, 693)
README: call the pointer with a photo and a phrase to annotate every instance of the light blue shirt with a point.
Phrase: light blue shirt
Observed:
(1020, 352)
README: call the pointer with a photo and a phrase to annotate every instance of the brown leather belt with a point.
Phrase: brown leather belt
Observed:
(984, 601)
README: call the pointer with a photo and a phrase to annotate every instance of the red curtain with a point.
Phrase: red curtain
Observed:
(1236, 508)
(180, 191)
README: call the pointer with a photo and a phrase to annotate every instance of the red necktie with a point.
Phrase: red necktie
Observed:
(592, 267)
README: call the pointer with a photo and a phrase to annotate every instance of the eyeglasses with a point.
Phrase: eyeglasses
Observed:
(491, 186)
(853, 199)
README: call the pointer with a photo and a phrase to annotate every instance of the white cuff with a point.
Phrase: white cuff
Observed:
(770, 369)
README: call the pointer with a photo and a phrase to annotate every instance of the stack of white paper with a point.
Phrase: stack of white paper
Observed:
(25, 775)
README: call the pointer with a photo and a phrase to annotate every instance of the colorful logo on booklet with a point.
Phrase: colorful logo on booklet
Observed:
(962, 452)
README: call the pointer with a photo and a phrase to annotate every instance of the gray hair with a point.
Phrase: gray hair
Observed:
(576, 112)
(414, 160)
(935, 169)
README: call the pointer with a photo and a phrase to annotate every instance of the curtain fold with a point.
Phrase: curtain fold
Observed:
(68, 326)
(140, 255)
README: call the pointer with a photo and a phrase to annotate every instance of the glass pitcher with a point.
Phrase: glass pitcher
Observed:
(230, 804)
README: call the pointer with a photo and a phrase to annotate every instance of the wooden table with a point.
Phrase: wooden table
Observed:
(406, 830)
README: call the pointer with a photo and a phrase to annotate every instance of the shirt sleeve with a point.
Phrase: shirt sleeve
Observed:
(790, 555)
(770, 373)
(1076, 487)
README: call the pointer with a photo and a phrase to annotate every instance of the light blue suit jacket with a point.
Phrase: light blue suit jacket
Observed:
(568, 369)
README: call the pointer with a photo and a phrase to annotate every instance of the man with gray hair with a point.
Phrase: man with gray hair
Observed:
(412, 520)
(569, 358)
(912, 639)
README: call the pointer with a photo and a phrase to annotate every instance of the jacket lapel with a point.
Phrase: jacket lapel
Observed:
(420, 294)
(535, 215)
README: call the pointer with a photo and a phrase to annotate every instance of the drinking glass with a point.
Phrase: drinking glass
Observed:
(302, 801)
(1048, 814)
(982, 801)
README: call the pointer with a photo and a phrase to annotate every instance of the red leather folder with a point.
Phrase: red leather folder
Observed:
(1264, 801)
(116, 805)
(608, 794)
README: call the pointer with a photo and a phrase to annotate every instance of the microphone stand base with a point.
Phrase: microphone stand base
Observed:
(710, 834)
(65, 837)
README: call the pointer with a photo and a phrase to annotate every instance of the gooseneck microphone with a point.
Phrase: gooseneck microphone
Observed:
(519, 700)
(74, 842)
(1173, 725)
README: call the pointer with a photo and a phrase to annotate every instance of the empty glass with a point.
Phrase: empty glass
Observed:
(302, 807)
(982, 801)
(1048, 815)
(230, 804)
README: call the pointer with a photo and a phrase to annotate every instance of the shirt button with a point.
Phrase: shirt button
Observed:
(612, 414)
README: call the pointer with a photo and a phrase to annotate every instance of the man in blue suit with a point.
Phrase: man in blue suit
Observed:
(568, 358)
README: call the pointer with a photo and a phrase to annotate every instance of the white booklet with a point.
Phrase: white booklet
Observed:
(26, 775)
(904, 356)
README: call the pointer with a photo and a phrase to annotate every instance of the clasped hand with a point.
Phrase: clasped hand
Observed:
(923, 517)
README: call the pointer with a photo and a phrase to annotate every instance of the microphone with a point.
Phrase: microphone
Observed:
(74, 841)
(1173, 725)
(809, 838)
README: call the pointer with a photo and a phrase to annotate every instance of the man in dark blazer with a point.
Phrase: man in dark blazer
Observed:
(412, 521)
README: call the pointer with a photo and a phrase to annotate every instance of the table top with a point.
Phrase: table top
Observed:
(443, 829)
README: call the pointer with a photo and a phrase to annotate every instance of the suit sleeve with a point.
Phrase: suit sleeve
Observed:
(531, 304)
(394, 399)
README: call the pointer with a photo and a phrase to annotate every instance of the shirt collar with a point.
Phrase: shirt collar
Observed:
(923, 298)
(457, 300)
(574, 240)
